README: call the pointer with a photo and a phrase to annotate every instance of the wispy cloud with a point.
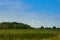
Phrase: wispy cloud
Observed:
(16, 10)
(14, 4)
(32, 19)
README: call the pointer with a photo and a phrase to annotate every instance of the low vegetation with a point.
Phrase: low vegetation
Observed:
(29, 34)
(20, 31)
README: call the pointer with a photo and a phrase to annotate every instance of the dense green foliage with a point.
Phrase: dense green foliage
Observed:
(14, 25)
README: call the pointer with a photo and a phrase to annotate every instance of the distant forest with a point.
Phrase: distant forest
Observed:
(16, 25)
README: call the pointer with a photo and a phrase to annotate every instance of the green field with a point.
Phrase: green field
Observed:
(30, 34)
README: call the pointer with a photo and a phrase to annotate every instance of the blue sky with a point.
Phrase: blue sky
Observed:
(33, 12)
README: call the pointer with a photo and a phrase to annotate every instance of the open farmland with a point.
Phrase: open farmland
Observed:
(30, 34)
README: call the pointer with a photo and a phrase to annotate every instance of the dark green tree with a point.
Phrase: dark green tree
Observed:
(42, 27)
(54, 27)
(14, 25)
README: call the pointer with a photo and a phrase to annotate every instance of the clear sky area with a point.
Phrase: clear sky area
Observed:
(32, 12)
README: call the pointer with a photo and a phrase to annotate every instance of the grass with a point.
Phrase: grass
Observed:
(29, 34)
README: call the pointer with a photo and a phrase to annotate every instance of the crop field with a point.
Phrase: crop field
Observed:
(29, 34)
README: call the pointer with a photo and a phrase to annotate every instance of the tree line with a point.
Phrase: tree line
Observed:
(16, 25)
